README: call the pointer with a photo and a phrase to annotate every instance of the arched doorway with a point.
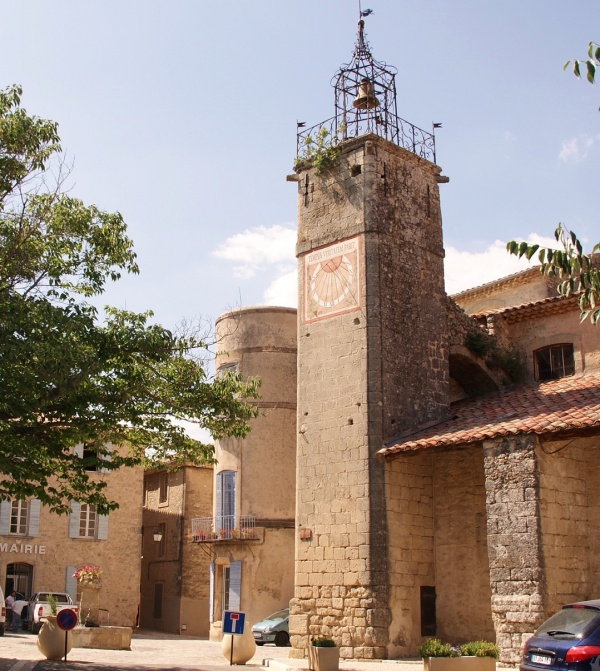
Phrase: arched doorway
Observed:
(19, 577)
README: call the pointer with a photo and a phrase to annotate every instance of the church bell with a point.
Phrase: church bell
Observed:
(365, 99)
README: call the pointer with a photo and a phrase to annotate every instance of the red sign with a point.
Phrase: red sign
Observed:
(66, 619)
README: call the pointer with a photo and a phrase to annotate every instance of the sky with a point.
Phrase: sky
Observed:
(182, 116)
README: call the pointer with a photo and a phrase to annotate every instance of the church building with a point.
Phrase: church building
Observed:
(443, 485)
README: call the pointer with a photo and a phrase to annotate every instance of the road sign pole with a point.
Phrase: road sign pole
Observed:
(231, 653)
(66, 640)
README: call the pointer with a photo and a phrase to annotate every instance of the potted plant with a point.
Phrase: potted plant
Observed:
(323, 655)
(472, 656)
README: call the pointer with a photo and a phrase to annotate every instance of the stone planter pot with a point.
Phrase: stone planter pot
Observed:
(323, 659)
(464, 663)
(51, 639)
(244, 646)
(89, 605)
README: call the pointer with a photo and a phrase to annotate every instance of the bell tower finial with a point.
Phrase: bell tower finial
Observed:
(365, 102)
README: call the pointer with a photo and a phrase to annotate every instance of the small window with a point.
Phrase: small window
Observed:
(554, 362)
(19, 512)
(161, 546)
(163, 488)
(88, 521)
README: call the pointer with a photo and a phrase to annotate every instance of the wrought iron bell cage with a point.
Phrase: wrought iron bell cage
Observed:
(374, 83)
(366, 102)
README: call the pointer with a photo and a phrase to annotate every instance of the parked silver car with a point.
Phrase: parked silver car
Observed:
(273, 629)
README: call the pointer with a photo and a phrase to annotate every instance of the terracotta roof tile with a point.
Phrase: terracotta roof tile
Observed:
(571, 403)
(538, 308)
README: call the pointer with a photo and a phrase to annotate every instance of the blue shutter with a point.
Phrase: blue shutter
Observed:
(34, 517)
(219, 499)
(5, 507)
(74, 520)
(225, 500)
(71, 583)
(235, 584)
(229, 493)
(211, 591)
(102, 527)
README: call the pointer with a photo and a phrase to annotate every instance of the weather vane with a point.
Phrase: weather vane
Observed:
(366, 12)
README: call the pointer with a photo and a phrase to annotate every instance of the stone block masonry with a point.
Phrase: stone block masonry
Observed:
(372, 362)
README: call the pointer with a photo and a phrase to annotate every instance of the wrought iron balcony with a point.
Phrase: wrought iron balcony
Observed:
(223, 528)
(389, 126)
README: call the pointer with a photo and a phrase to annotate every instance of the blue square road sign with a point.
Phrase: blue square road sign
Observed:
(233, 622)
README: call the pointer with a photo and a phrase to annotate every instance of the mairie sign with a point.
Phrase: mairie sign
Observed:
(233, 623)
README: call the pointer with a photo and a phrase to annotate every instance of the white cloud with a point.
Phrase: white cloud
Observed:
(465, 270)
(271, 250)
(256, 248)
(283, 290)
(576, 149)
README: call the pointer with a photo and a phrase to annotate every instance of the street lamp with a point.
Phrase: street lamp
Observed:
(157, 534)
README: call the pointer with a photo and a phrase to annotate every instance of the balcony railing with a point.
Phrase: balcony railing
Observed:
(223, 528)
(391, 127)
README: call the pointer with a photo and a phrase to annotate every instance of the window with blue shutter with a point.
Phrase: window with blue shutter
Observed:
(211, 592)
(71, 583)
(5, 507)
(235, 584)
(34, 517)
(225, 500)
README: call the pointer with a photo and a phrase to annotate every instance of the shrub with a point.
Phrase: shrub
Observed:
(480, 649)
(322, 642)
(433, 647)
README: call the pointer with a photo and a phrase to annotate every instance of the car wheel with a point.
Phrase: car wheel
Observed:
(35, 627)
(282, 639)
(1, 630)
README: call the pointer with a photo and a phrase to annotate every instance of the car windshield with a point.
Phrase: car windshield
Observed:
(279, 615)
(570, 622)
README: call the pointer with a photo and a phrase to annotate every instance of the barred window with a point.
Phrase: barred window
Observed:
(554, 361)
(19, 511)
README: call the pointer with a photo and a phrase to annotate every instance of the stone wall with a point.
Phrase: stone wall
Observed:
(569, 513)
(53, 555)
(437, 538)
(462, 577)
(365, 374)
(514, 543)
(411, 547)
(181, 567)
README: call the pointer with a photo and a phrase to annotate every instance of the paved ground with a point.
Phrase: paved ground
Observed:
(151, 651)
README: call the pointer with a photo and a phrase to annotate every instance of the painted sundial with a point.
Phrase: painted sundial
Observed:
(331, 280)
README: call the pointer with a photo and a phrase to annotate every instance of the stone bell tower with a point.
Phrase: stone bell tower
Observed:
(372, 351)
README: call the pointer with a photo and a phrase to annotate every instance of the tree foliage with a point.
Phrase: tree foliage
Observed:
(589, 65)
(575, 271)
(70, 377)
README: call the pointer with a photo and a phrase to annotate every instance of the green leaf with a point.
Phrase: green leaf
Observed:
(531, 251)
(591, 71)
(576, 69)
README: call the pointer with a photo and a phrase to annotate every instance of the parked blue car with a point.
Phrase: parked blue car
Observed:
(273, 629)
(570, 639)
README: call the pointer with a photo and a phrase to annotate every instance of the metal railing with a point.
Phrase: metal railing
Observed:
(389, 126)
(223, 528)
